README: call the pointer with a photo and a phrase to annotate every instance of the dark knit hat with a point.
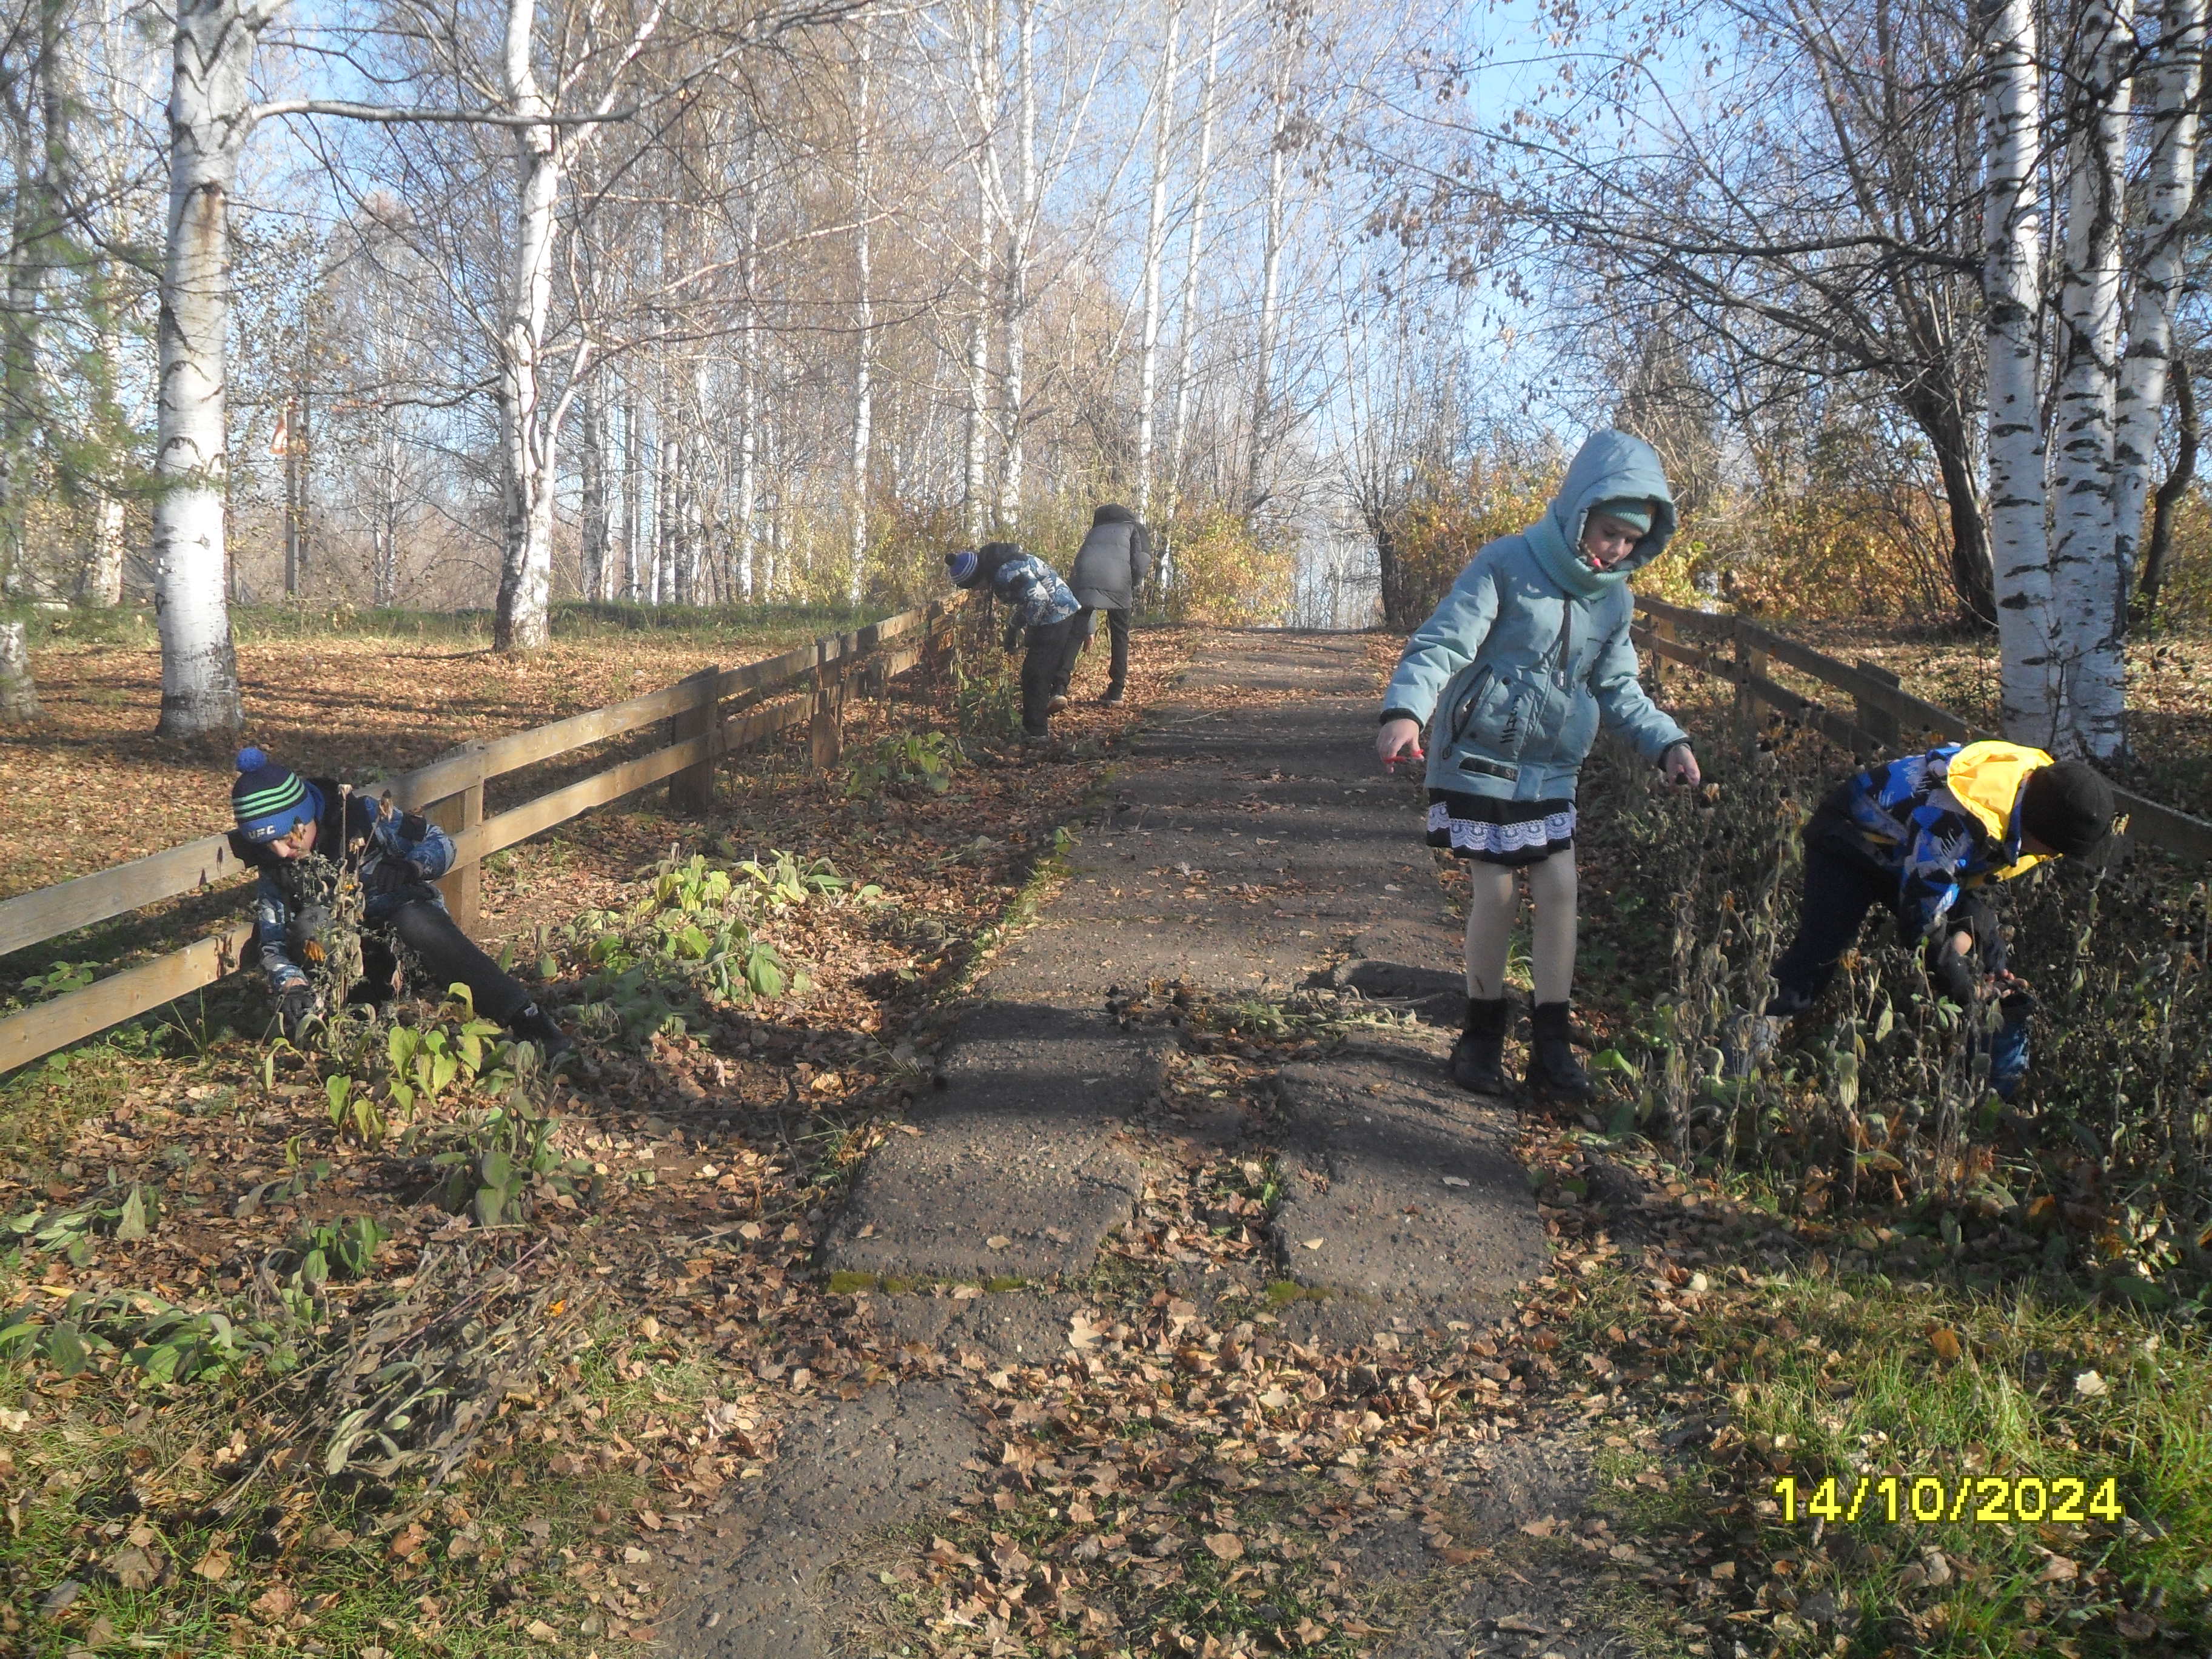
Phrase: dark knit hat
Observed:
(961, 567)
(2068, 807)
(269, 799)
(1634, 511)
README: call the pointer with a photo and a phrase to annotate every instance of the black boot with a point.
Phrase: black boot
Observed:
(1554, 1073)
(1478, 1058)
(534, 1024)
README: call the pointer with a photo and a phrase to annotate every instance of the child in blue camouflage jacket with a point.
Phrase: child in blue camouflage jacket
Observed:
(303, 835)
(1922, 836)
(1042, 610)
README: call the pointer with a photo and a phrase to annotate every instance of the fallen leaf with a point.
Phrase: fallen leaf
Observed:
(136, 1568)
(1224, 1546)
(998, 1240)
(538, 1630)
(2058, 1570)
(215, 1565)
(275, 1602)
(2088, 1384)
(1946, 1343)
(1313, 1244)
(1456, 1180)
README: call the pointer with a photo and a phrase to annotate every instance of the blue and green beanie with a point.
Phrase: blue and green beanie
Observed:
(269, 799)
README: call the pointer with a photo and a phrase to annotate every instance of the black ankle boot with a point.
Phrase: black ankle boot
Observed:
(1478, 1058)
(1554, 1073)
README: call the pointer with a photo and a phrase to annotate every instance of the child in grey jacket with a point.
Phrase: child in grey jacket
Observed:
(1528, 653)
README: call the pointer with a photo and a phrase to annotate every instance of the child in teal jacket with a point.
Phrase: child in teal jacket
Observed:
(1512, 676)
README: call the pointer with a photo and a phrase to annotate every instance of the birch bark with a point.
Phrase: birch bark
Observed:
(1194, 252)
(2091, 668)
(210, 118)
(856, 556)
(2011, 283)
(748, 502)
(1270, 277)
(2168, 188)
(523, 621)
(1155, 248)
(1021, 240)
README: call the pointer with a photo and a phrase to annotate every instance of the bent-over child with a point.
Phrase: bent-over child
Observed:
(303, 835)
(1040, 612)
(1524, 659)
(1924, 836)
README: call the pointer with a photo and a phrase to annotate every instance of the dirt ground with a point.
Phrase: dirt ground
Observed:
(88, 784)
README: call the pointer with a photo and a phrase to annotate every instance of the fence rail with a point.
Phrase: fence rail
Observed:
(450, 791)
(1883, 715)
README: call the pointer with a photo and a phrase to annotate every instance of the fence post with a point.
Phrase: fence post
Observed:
(1662, 628)
(692, 789)
(1877, 722)
(455, 814)
(825, 732)
(1750, 663)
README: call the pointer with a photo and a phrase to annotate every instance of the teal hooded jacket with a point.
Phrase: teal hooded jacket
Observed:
(1531, 651)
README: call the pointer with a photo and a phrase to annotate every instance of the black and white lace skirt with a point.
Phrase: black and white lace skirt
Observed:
(1497, 831)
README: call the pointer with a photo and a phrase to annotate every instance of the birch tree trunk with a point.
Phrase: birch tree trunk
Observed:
(2011, 287)
(1155, 247)
(593, 574)
(1193, 253)
(633, 487)
(19, 695)
(976, 367)
(2084, 581)
(748, 503)
(1270, 277)
(1020, 243)
(865, 347)
(2168, 189)
(524, 619)
(211, 56)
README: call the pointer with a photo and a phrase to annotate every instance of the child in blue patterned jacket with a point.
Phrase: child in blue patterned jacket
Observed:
(304, 836)
(1040, 611)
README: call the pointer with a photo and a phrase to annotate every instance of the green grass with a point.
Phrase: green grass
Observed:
(1862, 1378)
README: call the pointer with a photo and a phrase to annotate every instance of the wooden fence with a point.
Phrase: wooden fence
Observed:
(1883, 717)
(450, 791)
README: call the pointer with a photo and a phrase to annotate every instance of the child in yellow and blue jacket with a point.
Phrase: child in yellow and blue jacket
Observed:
(1924, 835)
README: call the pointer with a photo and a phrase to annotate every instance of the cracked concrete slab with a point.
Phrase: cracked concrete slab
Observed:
(762, 1578)
(1400, 1190)
(1019, 1170)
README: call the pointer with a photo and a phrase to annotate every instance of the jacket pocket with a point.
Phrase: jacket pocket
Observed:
(1463, 710)
(1579, 730)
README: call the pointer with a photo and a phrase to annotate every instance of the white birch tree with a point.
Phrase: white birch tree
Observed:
(2169, 188)
(1156, 219)
(2012, 303)
(2084, 581)
(210, 117)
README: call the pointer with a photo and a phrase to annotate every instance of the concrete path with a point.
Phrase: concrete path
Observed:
(1250, 847)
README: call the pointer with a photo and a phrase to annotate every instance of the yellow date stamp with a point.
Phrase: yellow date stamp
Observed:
(1981, 1500)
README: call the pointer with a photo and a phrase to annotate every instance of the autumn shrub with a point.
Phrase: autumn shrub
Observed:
(1220, 571)
(1878, 1099)
(1502, 489)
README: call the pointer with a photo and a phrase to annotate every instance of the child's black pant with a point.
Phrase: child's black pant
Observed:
(1117, 630)
(1044, 670)
(1841, 885)
(432, 941)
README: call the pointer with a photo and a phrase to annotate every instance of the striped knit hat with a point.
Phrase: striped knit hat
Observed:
(269, 799)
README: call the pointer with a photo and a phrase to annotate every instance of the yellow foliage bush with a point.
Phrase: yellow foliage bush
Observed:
(1221, 573)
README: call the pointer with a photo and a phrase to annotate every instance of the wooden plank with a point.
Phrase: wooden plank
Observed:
(770, 672)
(33, 917)
(35, 1031)
(1709, 621)
(1912, 713)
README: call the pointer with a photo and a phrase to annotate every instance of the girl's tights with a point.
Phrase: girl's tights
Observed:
(1490, 907)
